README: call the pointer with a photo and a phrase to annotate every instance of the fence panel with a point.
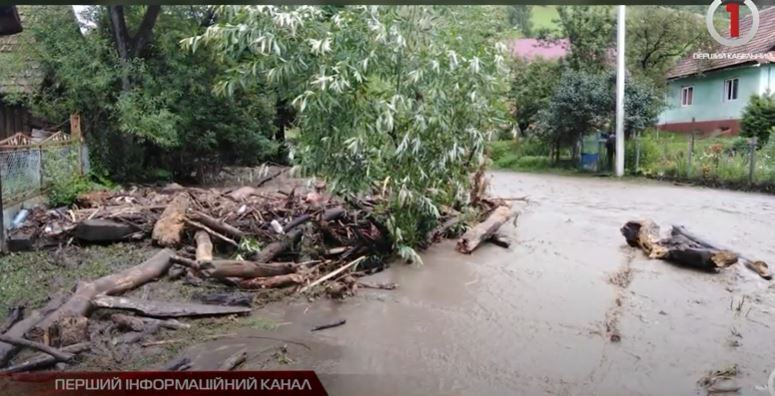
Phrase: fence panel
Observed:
(28, 170)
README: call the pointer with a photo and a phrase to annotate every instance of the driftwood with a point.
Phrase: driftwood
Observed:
(204, 247)
(136, 323)
(80, 303)
(21, 342)
(212, 232)
(44, 360)
(329, 325)
(485, 230)
(168, 230)
(247, 269)
(15, 314)
(164, 309)
(274, 249)
(272, 282)
(22, 327)
(678, 248)
(217, 225)
(333, 274)
(758, 266)
(234, 360)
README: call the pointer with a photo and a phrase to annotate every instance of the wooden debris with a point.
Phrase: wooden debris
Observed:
(15, 314)
(45, 360)
(272, 281)
(333, 274)
(103, 230)
(248, 269)
(168, 230)
(757, 266)
(678, 248)
(212, 232)
(80, 303)
(329, 325)
(164, 309)
(380, 286)
(178, 364)
(22, 327)
(234, 360)
(274, 249)
(500, 240)
(485, 230)
(204, 248)
(21, 342)
(217, 225)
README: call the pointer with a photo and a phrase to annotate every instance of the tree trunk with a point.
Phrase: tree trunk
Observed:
(678, 248)
(217, 225)
(204, 248)
(246, 269)
(485, 230)
(168, 230)
(164, 309)
(80, 303)
(272, 282)
(274, 249)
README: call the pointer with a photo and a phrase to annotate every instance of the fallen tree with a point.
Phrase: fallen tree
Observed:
(678, 248)
(164, 309)
(80, 303)
(484, 231)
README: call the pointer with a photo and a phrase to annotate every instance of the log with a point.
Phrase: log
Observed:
(217, 225)
(500, 240)
(212, 232)
(234, 360)
(185, 261)
(204, 247)
(485, 230)
(276, 248)
(247, 269)
(758, 266)
(21, 342)
(227, 298)
(15, 314)
(164, 309)
(102, 230)
(272, 282)
(337, 323)
(19, 329)
(327, 215)
(168, 230)
(678, 248)
(80, 303)
(44, 360)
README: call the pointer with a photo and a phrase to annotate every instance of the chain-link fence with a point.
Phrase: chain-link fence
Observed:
(27, 171)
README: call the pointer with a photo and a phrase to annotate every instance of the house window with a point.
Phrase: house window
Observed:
(730, 90)
(687, 96)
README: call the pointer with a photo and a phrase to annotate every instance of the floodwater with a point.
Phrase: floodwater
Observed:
(537, 318)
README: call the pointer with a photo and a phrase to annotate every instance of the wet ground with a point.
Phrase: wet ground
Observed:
(538, 318)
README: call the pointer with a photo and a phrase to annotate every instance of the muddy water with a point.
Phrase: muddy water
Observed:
(537, 318)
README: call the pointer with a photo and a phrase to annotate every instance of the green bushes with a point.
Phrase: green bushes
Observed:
(759, 118)
(63, 181)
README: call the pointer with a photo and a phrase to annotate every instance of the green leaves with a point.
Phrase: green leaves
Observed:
(759, 118)
(386, 103)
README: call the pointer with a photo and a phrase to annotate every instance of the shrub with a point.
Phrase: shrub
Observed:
(61, 176)
(650, 154)
(759, 118)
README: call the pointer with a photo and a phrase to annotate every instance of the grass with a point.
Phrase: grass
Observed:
(29, 278)
(544, 16)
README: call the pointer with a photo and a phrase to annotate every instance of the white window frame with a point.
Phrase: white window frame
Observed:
(683, 98)
(725, 93)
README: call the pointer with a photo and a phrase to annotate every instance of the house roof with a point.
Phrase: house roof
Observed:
(530, 48)
(27, 77)
(762, 43)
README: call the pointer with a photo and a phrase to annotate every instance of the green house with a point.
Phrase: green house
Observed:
(707, 95)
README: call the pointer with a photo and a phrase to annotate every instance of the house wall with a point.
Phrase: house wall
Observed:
(709, 113)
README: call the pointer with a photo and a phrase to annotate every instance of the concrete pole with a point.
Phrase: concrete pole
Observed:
(620, 52)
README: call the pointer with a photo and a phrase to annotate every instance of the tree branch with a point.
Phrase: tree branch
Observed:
(143, 34)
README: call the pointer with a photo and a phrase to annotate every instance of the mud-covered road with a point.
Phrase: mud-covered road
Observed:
(537, 318)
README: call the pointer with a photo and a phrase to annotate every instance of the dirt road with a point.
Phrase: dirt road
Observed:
(537, 318)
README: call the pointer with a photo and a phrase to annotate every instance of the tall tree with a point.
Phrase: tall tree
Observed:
(590, 31)
(658, 36)
(130, 46)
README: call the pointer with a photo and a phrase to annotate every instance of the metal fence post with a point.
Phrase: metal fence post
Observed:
(691, 153)
(751, 159)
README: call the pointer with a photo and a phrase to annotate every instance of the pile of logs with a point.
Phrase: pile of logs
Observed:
(247, 238)
(686, 249)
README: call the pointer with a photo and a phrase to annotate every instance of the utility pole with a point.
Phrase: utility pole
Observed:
(620, 52)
